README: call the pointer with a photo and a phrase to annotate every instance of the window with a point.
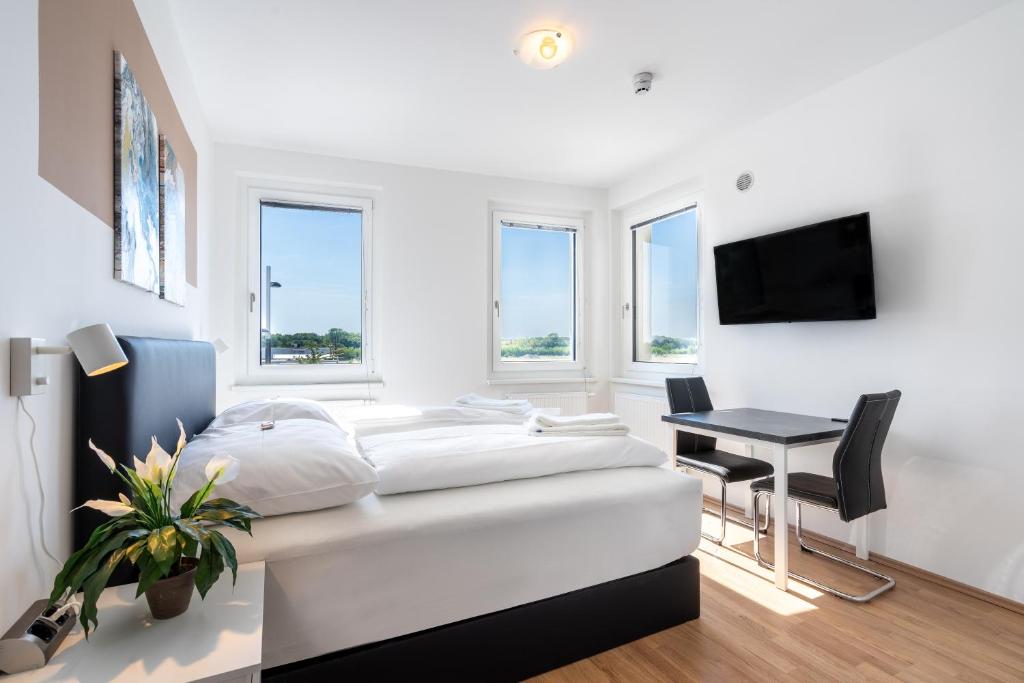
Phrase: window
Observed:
(537, 297)
(309, 300)
(665, 289)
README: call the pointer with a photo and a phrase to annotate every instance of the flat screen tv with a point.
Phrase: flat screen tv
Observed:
(817, 272)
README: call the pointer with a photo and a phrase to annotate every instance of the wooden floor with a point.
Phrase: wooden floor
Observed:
(749, 630)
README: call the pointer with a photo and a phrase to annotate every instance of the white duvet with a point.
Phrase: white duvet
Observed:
(467, 455)
(371, 420)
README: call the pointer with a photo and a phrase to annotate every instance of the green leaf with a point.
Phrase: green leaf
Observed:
(210, 567)
(149, 573)
(186, 544)
(194, 533)
(140, 488)
(100, 534)
(227, 552)
(226, 504)
(214, 515)
(163, 546)
(92, 558)
(217, 514)
(226, 518)
(135, 550)
(192, 529)
(94, 585)
(219, 503)
(189, 507)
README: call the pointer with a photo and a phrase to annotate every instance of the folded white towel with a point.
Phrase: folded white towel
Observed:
(578, 420)
(505, 405)
(604, 427)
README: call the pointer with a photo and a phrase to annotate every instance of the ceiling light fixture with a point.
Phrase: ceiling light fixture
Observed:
(544, 49)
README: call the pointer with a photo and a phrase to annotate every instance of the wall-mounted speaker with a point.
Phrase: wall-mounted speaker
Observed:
(744, 181)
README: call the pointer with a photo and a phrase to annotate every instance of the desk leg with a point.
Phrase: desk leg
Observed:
(781, 453)
(861, 532)
(748, 451)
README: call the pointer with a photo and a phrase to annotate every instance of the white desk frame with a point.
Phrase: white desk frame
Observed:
(780, 456)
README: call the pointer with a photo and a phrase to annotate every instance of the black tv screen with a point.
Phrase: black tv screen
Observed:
(817, 272)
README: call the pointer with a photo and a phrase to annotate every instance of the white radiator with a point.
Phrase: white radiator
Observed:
(643, 415)
(567, 402)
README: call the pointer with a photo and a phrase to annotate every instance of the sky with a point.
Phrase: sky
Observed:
(317, 258)
(536, 282)
(673, 274)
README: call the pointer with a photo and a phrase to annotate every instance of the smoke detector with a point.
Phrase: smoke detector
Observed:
(642, 83)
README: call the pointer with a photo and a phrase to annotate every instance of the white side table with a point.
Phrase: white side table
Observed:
(218, 639)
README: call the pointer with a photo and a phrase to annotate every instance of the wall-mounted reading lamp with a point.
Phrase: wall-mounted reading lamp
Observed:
(95, 347)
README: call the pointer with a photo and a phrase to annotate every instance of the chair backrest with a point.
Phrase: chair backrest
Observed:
(689, 395)
(857, 464)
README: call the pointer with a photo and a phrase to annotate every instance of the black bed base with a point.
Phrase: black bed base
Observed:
(523, 641)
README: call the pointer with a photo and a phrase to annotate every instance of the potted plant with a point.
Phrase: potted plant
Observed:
(174, 551)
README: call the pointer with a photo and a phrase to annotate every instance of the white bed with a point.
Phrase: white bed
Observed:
(386, 566)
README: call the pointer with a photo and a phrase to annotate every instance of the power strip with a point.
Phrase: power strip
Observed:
(35, 636)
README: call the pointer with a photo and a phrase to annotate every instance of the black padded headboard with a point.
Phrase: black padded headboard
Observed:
(122, 410)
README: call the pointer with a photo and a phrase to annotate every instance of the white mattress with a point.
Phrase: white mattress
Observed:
(386, 566)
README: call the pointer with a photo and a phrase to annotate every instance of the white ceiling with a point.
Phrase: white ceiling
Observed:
(434, 82)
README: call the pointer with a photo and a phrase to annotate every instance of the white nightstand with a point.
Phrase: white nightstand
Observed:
(218, 639)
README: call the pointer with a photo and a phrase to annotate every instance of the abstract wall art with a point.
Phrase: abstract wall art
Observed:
(172, 225)
(136, 183)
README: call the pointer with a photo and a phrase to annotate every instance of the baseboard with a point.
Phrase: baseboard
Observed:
(917, 572)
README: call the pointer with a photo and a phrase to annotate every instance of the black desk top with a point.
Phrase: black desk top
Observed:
(764, 425)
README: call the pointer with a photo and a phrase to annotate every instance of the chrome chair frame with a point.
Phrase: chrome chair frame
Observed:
(722, 513)
(866, 597)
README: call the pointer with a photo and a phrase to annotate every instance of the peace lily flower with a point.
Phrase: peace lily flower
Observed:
(113, 508)
(106, 459)
(158, 465)
(151, 534)
(222, 468)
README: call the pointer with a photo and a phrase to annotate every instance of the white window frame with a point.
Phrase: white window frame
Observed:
(257, 373)
(544, 367)
(628, 307)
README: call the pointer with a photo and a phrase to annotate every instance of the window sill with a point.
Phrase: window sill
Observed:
(336, 391)
(655, 383)
(263, 386)
(509, 381)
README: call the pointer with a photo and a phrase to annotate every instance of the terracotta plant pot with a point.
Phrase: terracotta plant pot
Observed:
(170, 597)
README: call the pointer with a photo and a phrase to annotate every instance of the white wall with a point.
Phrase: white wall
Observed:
(931, 144)
(431, 232)
(55, 276)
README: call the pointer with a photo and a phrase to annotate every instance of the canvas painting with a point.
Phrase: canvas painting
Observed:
(172, 225)
(136, 183)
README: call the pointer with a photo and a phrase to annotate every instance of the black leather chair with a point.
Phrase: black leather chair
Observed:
(854, 490)
(696, 452)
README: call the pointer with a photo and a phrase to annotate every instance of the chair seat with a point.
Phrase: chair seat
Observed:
(812, 488)
(726, 466)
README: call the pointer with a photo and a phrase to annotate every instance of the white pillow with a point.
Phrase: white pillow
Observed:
(271, 410)
(298, 465)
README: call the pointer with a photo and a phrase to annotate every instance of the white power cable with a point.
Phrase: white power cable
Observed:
(39, 482)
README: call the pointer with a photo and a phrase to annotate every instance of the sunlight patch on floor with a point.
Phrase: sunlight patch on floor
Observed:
(739, 572)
